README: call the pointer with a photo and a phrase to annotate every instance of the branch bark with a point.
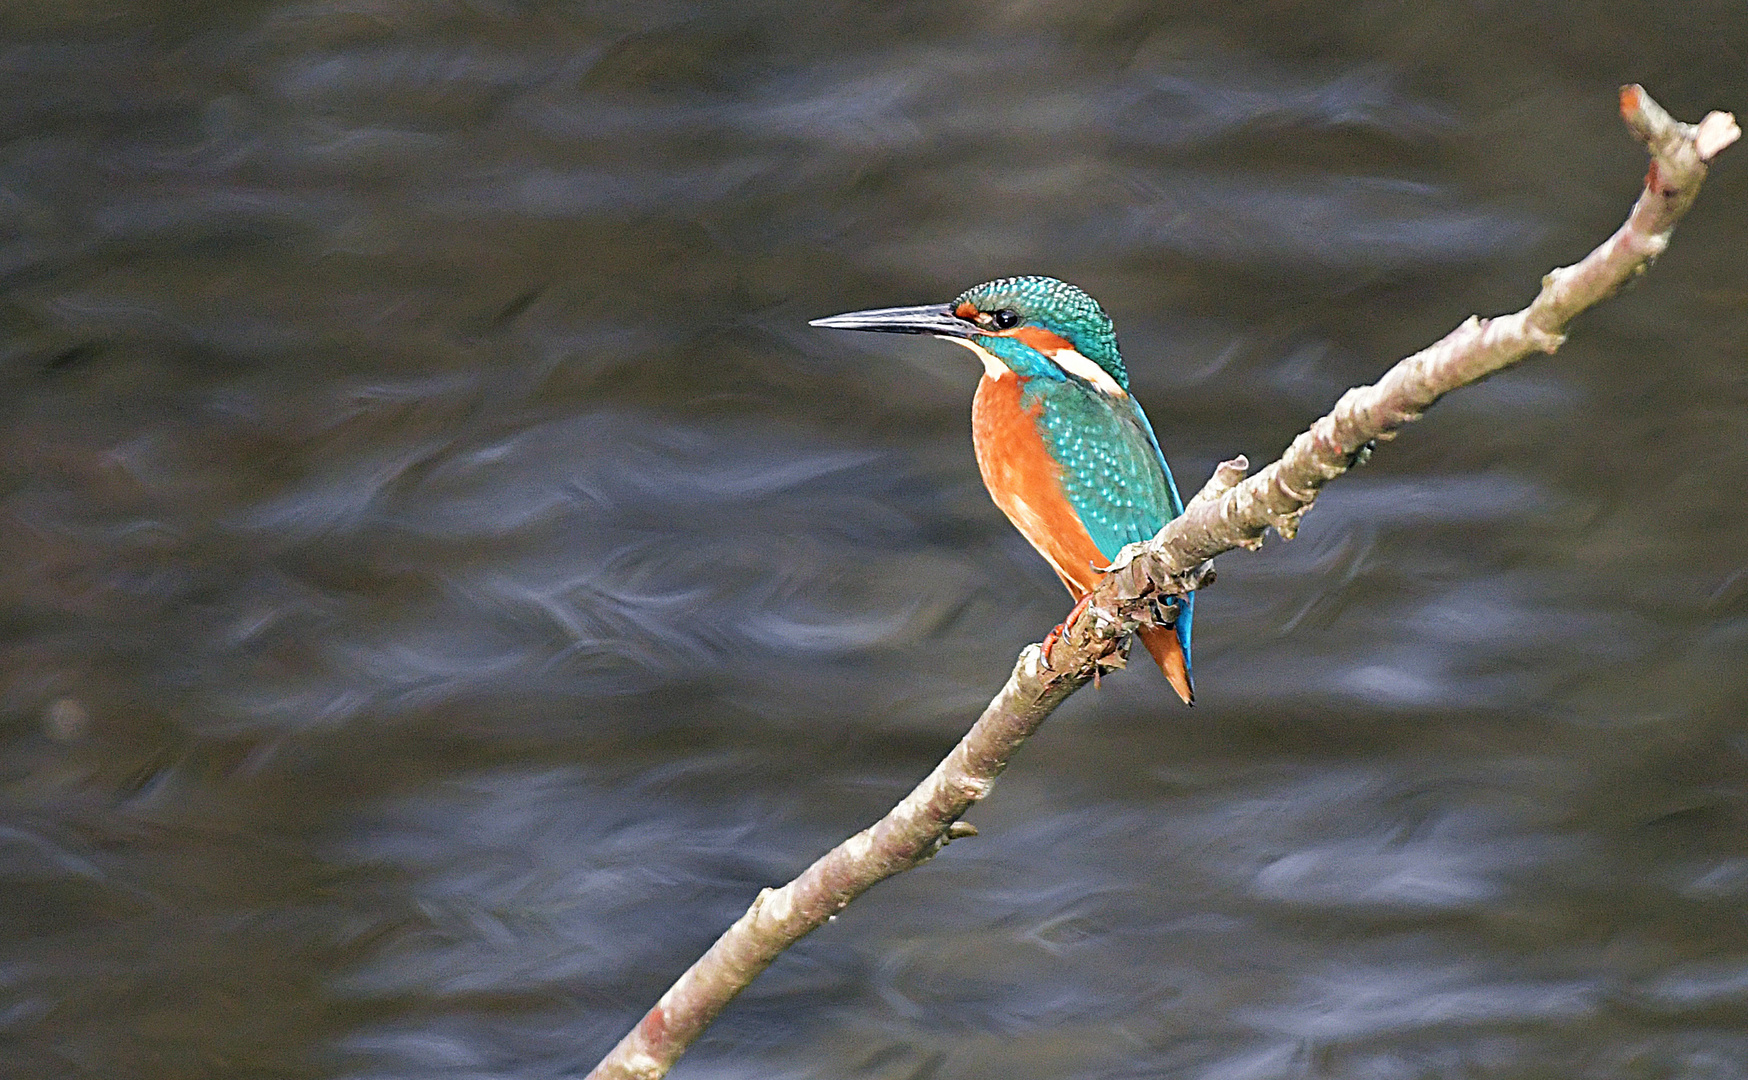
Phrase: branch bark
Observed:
(1229, 512)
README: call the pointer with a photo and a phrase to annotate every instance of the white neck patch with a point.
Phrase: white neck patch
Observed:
(1071, 361)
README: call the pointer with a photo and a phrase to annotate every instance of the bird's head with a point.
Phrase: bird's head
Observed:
(1036, 327)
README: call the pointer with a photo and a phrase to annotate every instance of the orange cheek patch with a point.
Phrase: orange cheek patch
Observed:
(1039, 338)
(967, 310)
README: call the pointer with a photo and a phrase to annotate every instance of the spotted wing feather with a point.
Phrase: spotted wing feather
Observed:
(1113, 472)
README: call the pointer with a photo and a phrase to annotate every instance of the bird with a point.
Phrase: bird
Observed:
(1064, 448)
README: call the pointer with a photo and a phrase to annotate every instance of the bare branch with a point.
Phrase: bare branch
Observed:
(1279, 495)
(1228, 512)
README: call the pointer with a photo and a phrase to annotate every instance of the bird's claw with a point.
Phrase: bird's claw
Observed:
(1055, 635)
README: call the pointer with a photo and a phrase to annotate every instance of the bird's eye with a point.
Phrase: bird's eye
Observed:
(1006, 319)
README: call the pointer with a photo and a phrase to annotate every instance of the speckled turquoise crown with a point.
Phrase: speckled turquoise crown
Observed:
(1059, 307)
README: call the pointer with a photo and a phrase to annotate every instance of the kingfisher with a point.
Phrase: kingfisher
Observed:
(1064, 448)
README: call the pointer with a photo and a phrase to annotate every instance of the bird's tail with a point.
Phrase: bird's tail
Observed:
(1170, 648)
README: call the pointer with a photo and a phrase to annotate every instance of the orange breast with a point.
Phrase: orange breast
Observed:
(1024, 480)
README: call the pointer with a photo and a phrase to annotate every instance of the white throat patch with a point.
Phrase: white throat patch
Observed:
(993, 368)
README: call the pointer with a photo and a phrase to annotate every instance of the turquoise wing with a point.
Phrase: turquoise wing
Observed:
(1113, 472)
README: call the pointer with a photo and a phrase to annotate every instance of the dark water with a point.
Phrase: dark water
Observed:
(443, 577)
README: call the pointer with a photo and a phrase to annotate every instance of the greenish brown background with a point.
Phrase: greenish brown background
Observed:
(442, 577)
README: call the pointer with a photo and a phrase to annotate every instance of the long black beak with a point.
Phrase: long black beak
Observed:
(928, 319)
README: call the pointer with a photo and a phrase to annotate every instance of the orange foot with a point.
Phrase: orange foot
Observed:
(1055, 635)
